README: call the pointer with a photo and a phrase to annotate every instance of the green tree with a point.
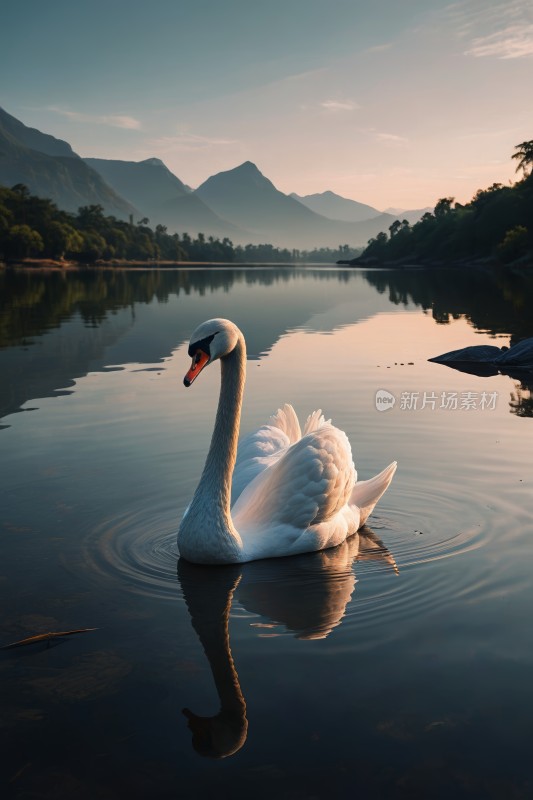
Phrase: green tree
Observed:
(395, 227)
(524, 156)
(93, 247)
(23, 242)
(92, 217)
(514, 244)
(443, 207)
(60, 238)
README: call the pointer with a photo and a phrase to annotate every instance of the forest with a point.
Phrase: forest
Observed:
(34, 228)
(497, 224)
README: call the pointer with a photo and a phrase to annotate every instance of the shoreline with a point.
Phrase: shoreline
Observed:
(51, 264)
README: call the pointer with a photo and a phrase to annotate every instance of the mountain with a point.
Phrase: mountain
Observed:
(250, 200)
(246, 197)
(394, 211)
(333, 206)
(412, 216)
(50, 168)
(159, 195)
(34, 139)
(240, 203)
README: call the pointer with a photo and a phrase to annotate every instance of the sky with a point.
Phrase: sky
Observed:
(394, 104)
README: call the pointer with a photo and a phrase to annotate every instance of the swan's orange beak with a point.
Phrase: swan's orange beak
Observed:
(200, 359)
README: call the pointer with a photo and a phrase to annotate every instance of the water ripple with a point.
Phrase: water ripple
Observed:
(309, 595)
(138, 550)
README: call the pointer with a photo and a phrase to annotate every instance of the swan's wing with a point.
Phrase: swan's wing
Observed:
(314, 421)
(261, 449)
(307, 484)
(366, 494)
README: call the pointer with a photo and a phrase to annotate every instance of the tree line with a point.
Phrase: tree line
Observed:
(496, 223)
(34, 227)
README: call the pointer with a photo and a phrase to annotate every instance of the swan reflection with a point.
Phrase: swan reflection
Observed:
(306, 594)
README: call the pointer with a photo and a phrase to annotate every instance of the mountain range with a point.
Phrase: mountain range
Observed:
(333, 206)
(240, 203)
(50, 168)
(150, 186)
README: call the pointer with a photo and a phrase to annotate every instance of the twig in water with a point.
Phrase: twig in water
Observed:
(45, 637)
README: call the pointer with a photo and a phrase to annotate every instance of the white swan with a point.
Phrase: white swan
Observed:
(293, 492)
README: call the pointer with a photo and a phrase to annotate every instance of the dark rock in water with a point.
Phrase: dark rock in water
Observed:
(519, 355)
(481, 353)
(485, 359)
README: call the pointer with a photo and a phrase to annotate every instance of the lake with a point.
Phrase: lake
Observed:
(396, 666)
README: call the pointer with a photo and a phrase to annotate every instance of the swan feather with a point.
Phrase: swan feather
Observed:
(291, 492)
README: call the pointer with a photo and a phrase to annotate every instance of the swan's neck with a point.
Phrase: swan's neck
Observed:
(206, 533)
(218, 470)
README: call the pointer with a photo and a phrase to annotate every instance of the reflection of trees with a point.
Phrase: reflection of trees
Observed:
(521, 402)
(496, 302)
(32, 302)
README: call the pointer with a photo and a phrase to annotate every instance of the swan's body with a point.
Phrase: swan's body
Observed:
(293, 492)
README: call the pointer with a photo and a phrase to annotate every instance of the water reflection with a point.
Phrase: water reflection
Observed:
(55, 327)
(307, 595)
(34, 302)
(491, 301)
(521, 402)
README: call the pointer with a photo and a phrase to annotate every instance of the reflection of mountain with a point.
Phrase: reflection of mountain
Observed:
(56, 327)
(121, 317)
(307, 594)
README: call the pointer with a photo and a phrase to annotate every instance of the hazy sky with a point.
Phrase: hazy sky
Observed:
(390, 103)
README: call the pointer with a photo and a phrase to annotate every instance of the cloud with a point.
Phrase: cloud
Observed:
(503, 30)
(189, 142)
(340, 105)
(391, 139)
(469, 17)
(113, 120)
(514, 41)
(378, 48)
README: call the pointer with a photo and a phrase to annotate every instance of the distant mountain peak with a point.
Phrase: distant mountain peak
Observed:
(334, 206)
(247, 170)
(248, 165)
(247, 177)
(154, 162)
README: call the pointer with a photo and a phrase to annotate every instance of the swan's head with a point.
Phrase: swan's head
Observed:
(219, 736)
(213, 339)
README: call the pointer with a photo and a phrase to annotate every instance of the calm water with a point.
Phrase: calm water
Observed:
(397, 666)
